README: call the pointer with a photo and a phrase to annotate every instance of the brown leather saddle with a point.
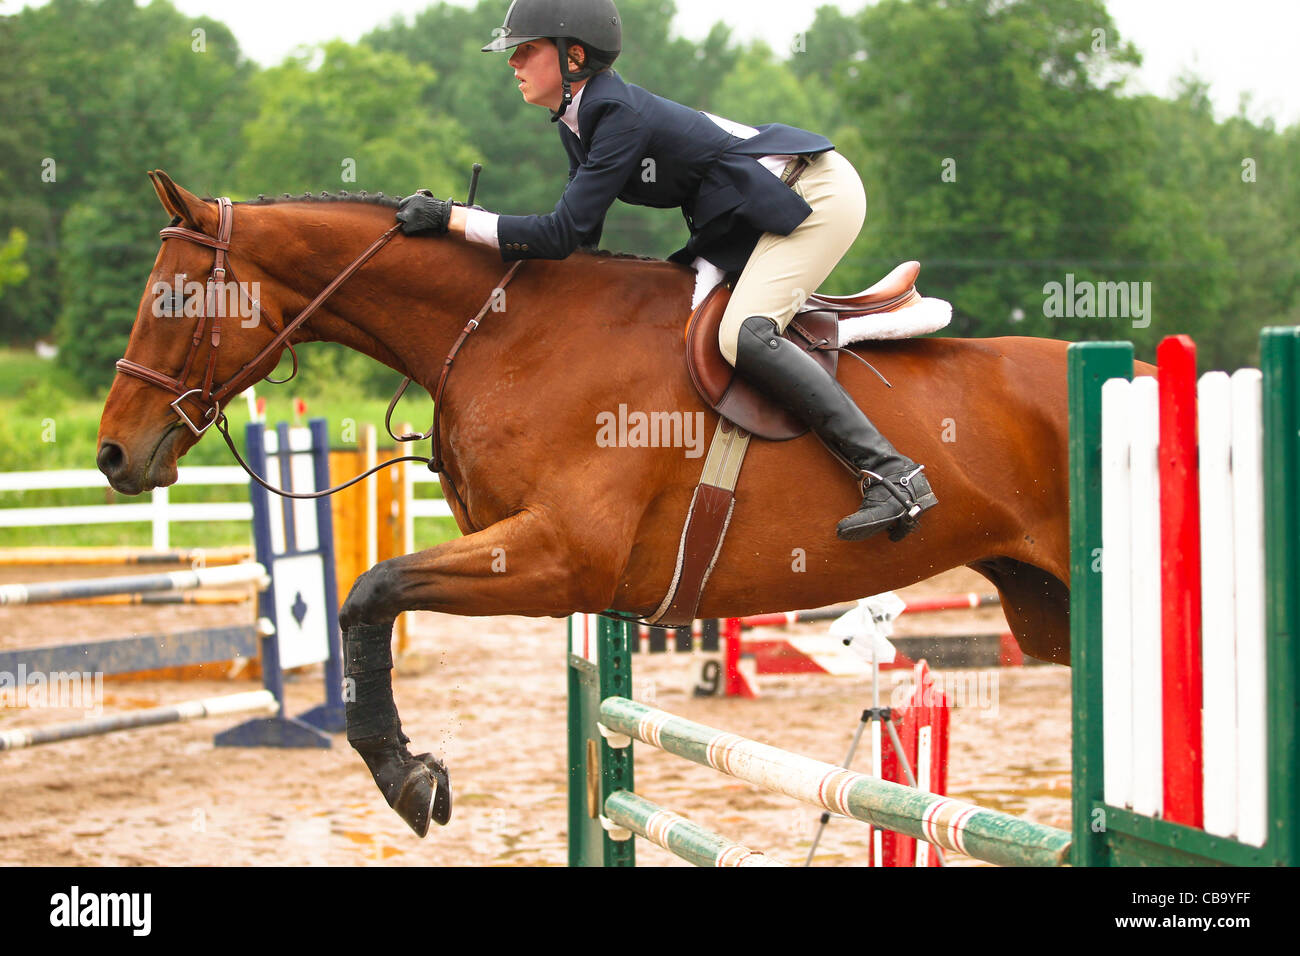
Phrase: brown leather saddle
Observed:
(815, 328)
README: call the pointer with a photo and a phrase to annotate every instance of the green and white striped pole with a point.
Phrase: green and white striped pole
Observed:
(984, 834)
(679, 836)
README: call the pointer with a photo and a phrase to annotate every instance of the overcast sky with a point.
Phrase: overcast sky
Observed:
(1240, 46)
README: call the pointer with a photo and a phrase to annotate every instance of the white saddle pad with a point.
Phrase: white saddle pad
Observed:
(928, 315)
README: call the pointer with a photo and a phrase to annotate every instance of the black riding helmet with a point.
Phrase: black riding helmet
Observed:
(593, 24)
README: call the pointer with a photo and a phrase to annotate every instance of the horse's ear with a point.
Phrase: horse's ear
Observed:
(179, 201)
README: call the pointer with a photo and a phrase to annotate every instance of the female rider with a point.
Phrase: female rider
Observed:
(624, 142)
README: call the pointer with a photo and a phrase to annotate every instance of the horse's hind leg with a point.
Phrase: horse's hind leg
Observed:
(512, 567)
(1037, 606)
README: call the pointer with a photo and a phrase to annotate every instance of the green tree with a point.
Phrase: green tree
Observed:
(995, 148)
(759, 88)
(353, 122)
(12, 268)
(474, 89)
(103, 267)
(23, 104)
(115, 89)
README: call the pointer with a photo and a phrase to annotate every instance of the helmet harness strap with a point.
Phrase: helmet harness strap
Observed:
(562, 47)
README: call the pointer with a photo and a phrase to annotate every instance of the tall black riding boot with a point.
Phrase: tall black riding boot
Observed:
(899, 491)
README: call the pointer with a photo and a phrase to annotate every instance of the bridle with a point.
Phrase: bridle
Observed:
(213, 398)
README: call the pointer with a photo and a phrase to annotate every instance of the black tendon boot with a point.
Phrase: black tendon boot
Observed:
(898, 492)
(418, 787)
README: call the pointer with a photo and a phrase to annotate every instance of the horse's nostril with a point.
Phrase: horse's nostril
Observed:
(111, 459)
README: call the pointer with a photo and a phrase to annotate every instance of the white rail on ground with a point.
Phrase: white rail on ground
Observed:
(250, 701)
(47, 592)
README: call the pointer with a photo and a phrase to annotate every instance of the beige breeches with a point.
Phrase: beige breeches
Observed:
(784, 270)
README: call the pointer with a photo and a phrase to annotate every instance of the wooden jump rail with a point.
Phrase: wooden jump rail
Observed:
(969, 600)
(49, 592)
(952, 824)
(214, 597)
(195, 557)
(604, 810)
(253, 701)
(821, 654)
(677, 835)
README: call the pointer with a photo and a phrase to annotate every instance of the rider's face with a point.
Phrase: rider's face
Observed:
(537, 68)
(538, 71)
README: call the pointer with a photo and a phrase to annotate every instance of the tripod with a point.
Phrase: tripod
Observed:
(867, 628)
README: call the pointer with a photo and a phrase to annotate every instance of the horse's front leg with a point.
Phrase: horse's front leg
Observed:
(513, 567)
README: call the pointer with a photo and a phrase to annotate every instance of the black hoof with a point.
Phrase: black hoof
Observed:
(418, 788)
(440, 809)
(425, 794)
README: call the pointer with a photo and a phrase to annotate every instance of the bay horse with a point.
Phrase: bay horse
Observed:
(552, 521)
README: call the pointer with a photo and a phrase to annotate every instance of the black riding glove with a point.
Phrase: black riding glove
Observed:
(422, 215)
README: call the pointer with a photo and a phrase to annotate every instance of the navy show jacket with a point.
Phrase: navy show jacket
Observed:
(651, 151)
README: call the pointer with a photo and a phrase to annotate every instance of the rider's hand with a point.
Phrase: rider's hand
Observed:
(423, 215)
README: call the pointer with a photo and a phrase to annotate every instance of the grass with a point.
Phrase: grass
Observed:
(46, 423)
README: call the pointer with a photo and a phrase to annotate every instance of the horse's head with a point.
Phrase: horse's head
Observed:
(196, 332)
(226, 298)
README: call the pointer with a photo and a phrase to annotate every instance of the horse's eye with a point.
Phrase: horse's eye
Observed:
(170, 303)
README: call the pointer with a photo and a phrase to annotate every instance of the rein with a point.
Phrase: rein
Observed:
(435, 462)
(214, 398)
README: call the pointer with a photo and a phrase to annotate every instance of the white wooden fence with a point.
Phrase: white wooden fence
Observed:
(160, 512)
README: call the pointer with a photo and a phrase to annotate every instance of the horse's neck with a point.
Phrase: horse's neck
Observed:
(408, 302)
(406, 306)
(549, 310)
